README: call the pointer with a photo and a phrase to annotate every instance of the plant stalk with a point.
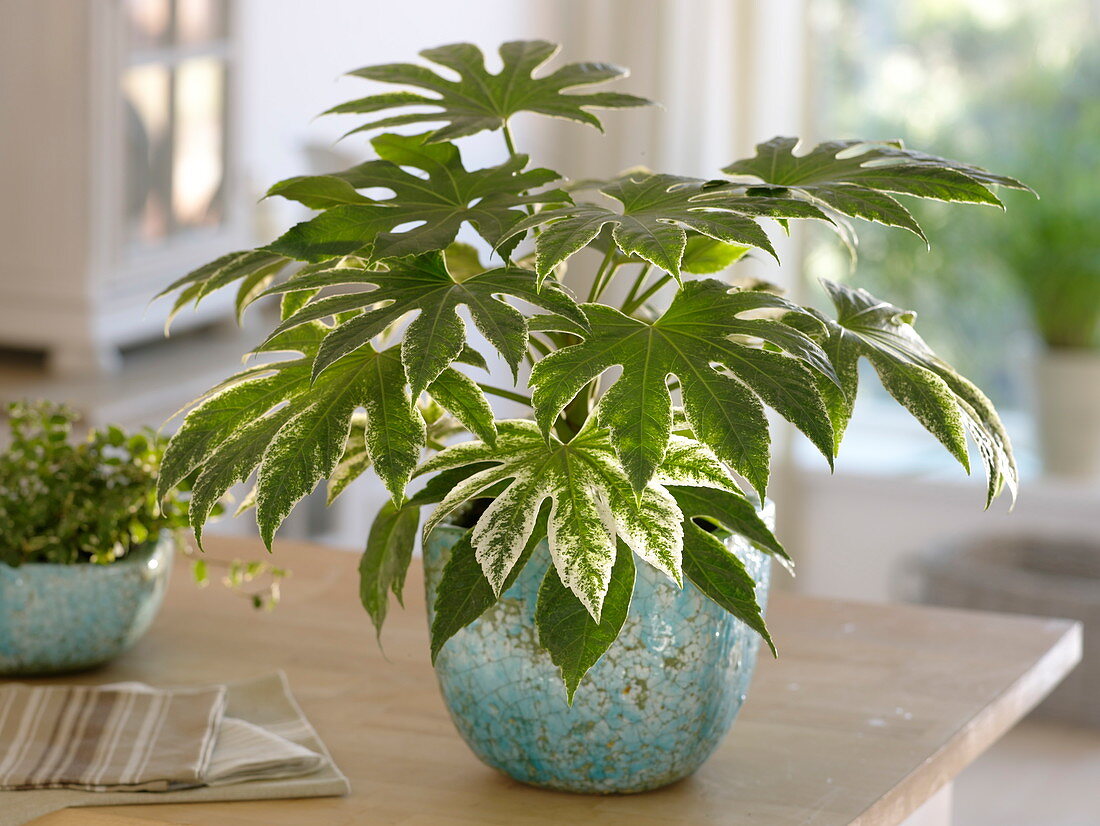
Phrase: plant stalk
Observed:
(506, 394)
(644, 297)
(638, 281)
(602, 274)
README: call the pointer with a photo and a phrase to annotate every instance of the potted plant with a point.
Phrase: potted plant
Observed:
(1053, 258)
(85, 548)
(620, 534)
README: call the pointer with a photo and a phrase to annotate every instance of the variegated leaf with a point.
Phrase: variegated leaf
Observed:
(447, 196)
(423, 284)
(592, 504)
(294, 431)
(944, 402)
(688, 341)
(657, 211)
(859, 178)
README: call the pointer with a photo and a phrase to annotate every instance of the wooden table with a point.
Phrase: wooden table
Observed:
(866, 719)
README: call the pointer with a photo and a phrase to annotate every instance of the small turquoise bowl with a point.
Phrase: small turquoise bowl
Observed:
(649, 712)
(58, 618)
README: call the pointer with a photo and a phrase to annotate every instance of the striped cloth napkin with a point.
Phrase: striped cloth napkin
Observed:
(131, 737)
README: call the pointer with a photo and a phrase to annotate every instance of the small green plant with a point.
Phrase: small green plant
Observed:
(662, 462)
(68, 501)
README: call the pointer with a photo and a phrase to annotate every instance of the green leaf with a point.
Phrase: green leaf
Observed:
(466, 401)
(574, 640)
(722, 577)
(944, 402)
(309, 446)
(859, 179)
(724, 409)
(703, 255)
(253, 268)
(464, 594)
(272, 417)
(230, 462)
(593, 503)
(657, 212)
(437, 336)
(732, 513)
(355, 460)
(222, 413)
(439, 202)
(386, 559)
(480, 100)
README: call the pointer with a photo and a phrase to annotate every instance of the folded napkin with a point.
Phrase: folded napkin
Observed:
(126, 737)
(263, 748)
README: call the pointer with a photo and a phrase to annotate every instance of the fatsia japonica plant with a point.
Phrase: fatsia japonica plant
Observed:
(661, 463)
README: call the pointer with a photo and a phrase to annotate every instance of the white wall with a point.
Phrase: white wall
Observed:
(856, 535)
(294, 53)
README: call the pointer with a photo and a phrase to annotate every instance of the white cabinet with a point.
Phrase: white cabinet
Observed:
(119, 165)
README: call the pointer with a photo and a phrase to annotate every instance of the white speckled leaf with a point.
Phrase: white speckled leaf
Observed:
(593, 504)
(581, 543)
(423, 284)
(943, 401)
(309, 446)
(504, 529)
(656, 212)
(354, 461)
(688, 462)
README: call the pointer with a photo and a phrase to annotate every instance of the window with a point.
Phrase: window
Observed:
(174, 86)
(1006, 84)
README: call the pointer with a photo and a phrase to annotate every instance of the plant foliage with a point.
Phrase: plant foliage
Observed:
(480, 100)
(65, 500)
(651, 467)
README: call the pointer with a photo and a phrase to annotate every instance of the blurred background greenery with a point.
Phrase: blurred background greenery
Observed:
(1013, 85)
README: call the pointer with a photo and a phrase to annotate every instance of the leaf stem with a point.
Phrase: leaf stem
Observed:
(539, 345)
(638, 281)
(507, 130)
(640, 300)
(506, 394)
(599, 282)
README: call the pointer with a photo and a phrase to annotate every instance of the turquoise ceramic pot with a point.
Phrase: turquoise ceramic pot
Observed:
(57, 618)
(648, 714)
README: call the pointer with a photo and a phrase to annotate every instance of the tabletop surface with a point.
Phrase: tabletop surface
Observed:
(868, 712)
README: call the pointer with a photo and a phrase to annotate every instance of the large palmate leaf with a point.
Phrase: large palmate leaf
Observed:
(943, 401)
(725, 383)
(440, 201)
(592, 504)
(272, 419)
(255, 269)
(423, 284)
(481, 100)
(657, 210)
(859, 179)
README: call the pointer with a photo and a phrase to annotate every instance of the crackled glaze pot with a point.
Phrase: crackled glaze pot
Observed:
(58, 618)
(648, 714)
